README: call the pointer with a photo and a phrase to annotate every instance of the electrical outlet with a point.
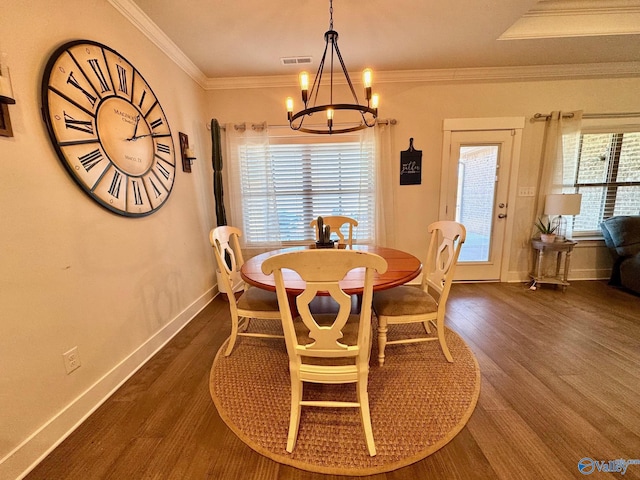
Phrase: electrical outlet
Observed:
(527, 191)
(71, 360)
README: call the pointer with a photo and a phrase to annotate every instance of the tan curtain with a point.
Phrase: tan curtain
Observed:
(385, 201)
(256, 138)
(560, 155)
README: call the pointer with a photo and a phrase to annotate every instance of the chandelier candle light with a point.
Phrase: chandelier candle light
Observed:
(367, 113)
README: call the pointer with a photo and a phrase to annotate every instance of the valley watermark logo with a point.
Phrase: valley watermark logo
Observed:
(587, 465)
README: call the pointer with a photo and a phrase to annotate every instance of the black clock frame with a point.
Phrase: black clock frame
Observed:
(168, 163)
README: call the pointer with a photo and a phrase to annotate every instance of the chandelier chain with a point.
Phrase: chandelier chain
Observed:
(330, 14)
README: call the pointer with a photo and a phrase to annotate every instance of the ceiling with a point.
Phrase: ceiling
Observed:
(248, 38)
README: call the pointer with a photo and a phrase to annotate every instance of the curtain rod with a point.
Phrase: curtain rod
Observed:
(542, 116)
(259, 126)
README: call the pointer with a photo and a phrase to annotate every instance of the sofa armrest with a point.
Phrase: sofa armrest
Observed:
(606, 234)
(622, 235)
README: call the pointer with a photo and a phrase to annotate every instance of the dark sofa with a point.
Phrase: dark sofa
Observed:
(622, 236)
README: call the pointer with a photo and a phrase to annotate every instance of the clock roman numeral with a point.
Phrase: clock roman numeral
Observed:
(163, 148)
(156, 190)
(82, 125)
(144, 92)
(122, 79)
(91, 159)
(73, 81)
(114, 189)
(95, 66)
(163, 171)
(156, 123)
(137, 195)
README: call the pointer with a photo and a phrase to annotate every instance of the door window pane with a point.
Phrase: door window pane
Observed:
(475, 199)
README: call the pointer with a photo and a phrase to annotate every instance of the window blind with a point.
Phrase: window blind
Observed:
(608, 177)
(289, 181)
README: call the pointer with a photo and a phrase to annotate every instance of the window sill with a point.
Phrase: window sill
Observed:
(589, 241)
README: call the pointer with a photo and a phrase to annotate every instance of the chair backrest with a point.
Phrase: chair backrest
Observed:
(336, 222)
(226, 248)
(322, 271)
(447, 238)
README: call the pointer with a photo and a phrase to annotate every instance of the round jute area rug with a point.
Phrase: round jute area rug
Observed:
(418, 402)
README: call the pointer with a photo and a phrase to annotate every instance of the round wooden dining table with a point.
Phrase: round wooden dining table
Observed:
(402, 267)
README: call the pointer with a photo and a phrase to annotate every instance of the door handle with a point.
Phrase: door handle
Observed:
(502, 215)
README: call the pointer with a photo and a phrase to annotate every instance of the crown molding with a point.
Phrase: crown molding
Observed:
(571, 18)
(139, 19)
(523, 73)
(538, 72)
(549, 7)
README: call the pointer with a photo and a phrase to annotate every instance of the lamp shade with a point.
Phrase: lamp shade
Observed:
(563, 204)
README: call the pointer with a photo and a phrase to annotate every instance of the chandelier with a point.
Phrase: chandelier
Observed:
(365, 115)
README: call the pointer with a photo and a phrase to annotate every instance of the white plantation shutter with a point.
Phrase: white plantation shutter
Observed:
(291, 179)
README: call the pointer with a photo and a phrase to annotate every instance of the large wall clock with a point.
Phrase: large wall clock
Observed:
(108, 128)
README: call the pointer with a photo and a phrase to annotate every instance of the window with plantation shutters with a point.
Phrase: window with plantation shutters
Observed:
(290, 180)
(608, 177)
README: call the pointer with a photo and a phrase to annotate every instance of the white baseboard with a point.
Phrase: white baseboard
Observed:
(586, 274)
(18, 463)
(590, 274)
(518, 277)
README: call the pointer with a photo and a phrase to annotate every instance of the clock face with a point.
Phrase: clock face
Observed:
(108, 128)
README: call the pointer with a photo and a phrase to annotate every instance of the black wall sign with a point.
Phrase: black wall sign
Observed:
(411, 166)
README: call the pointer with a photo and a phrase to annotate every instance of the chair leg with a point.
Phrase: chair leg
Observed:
(244, 325)
(294, 417)
(443, 342)
(359, 302)
(382, 338)
(427, 326)
(365, 414)
(233, 337)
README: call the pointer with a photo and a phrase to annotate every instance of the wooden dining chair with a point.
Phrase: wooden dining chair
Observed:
(245, 302)
(328, 348)
(336, 222)
(425, 304)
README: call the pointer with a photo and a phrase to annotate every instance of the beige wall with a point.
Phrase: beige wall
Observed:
(71, 272)
(420, 109)
(74, 274)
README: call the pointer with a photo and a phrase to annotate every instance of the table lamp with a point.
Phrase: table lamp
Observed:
(560, 204)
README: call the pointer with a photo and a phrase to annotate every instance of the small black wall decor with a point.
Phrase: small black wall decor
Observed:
(5, 121)
(411, 166)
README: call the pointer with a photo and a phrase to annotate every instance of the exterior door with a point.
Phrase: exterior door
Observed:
(477, 174)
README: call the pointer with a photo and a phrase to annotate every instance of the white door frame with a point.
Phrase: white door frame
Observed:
(516, 125)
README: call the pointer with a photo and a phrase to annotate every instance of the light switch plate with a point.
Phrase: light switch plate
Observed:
(526, 191)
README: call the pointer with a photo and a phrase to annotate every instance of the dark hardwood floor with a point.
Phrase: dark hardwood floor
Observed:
(560, 376)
